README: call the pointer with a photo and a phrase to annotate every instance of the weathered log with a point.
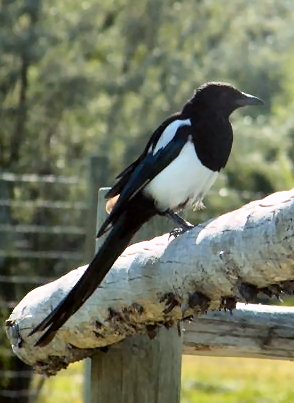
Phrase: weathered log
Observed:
(159, 282)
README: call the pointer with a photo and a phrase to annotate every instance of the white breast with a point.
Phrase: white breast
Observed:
(184, 179)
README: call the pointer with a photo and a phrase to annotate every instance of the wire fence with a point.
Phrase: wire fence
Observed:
(42, 236)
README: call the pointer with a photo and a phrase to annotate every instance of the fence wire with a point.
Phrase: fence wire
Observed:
(41, 238)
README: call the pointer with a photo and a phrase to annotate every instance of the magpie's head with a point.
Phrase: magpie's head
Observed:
(222, 97)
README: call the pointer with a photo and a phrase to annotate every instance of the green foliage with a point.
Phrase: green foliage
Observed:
(99, 76)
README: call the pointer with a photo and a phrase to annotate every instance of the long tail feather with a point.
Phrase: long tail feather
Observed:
(139, 211)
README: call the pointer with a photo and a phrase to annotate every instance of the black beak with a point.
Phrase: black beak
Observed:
(248, 99)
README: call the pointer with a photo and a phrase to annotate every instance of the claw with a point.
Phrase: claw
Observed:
(178, 231)
(175, 232)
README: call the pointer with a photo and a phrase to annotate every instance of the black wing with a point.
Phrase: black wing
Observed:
(124, 176)
(146, 169)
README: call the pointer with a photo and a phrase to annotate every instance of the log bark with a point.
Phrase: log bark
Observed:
(159, 282)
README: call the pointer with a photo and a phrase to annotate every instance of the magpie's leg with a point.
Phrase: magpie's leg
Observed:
(184, 225)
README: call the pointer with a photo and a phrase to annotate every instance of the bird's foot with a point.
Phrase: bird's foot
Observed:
(176, 232)
(179, 231)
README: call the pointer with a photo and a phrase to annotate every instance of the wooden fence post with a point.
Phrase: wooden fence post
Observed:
(138, 370)
(97, 174)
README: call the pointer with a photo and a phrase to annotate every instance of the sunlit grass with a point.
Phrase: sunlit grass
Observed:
(228, 380)
(204, 380)
(66, 387)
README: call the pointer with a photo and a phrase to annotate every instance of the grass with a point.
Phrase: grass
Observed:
(234, 380)
(204, 379)
(66, 387)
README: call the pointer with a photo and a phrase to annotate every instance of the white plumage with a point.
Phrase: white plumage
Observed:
(184, 179)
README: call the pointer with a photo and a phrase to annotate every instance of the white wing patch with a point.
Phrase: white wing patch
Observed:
(169, 133)
(184, 179)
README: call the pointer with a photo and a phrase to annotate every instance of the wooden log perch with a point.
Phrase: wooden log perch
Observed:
(155, 283)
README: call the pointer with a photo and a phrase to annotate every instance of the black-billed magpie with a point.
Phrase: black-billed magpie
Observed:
(178, 166)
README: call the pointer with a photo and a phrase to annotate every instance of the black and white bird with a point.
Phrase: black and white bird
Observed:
(178, 166)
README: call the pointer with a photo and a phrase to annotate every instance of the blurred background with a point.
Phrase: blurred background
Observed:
(83, 78)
